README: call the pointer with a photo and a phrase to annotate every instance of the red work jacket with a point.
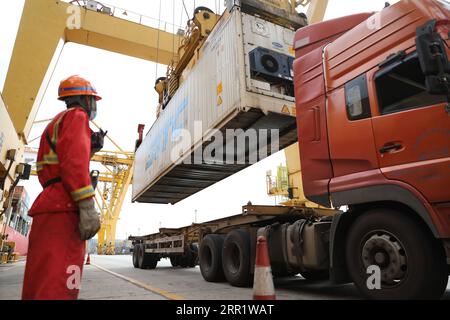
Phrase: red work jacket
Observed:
(69, 131)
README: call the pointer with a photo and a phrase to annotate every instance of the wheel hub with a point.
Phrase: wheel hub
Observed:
(386, 252)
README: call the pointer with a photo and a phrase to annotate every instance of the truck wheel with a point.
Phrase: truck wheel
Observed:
(140, 254)
(174, 261)
(236, 258)
(315, 275)
(146, 260)
(194, 257)
(185, 259)
(211, 257)
(135, 257)
(411, 262)
(150, 260)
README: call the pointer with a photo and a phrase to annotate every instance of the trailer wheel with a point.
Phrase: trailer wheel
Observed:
(315, 275)
(210, 258)
(236, 258)
(146, 260)
(135, 257)
(140, 255)
(412, 265)
(185, 259)
(174, 261)
(194, 257)
(150, 260)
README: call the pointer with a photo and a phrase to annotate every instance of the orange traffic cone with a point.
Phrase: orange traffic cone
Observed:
(263, 288)
(88, 260)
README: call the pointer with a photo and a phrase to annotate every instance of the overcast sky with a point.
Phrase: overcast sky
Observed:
(126, 85)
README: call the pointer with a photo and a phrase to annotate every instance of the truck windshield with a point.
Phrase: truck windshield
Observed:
(402, 86)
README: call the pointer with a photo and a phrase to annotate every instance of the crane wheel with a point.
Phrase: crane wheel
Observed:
(236, 258)
(390, 255)
(210, 258)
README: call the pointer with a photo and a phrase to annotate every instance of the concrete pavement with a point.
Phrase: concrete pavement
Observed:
(114, 278)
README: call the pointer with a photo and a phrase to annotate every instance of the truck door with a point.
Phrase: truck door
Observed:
(412, 129)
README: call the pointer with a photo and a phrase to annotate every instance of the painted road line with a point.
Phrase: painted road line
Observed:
(6, 267)
(165, 294)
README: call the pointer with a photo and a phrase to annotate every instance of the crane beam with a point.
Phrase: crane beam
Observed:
(41, 37)
(316, 11)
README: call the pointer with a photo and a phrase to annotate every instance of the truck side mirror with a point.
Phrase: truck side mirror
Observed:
(433, 59)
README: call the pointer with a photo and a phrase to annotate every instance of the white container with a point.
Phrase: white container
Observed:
(221, 93)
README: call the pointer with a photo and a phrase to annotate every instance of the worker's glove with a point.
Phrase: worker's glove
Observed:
(89, 219)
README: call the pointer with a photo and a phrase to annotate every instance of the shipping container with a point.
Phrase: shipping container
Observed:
(243, 80)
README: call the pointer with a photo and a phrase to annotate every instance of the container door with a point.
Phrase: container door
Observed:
(412, 130)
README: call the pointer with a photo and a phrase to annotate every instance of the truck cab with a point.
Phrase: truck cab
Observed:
(373, 122)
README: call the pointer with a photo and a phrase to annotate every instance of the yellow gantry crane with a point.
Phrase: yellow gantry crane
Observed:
(287, 184)
(46, 26)
(111, 193)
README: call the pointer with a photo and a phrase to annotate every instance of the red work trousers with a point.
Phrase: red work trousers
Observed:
(55, 258)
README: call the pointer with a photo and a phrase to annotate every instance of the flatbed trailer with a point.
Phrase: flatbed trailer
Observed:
(237, 233)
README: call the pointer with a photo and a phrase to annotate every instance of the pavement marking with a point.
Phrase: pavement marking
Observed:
(7, 267)
(165, 294)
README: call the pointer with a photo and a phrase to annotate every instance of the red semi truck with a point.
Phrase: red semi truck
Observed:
(373, 122)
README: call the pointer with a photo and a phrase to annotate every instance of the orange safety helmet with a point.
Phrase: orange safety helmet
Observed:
(76, 86)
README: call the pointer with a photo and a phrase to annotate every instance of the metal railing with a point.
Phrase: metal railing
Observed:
(128, 15)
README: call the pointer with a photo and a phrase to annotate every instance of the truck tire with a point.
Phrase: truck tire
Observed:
(140, 254)
(194, 258)
(135, 257)
(150, 260)
(146, 260)
(185, 259)
(236, 258)
(412, 264)
(315, 275)
(211, 258)
(174, 261)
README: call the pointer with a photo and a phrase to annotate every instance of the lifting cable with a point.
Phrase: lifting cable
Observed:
(181, 17)
(185, 9)
(157, 44)
(173, 29)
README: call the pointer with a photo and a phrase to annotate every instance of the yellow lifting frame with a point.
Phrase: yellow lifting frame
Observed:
(41, 37)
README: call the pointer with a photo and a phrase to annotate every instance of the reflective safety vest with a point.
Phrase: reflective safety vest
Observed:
(63, 163)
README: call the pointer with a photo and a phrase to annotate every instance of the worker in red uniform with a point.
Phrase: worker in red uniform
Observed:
(64, 215)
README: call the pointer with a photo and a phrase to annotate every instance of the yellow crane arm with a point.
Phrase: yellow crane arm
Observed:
(40, 39)
(316, 11)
